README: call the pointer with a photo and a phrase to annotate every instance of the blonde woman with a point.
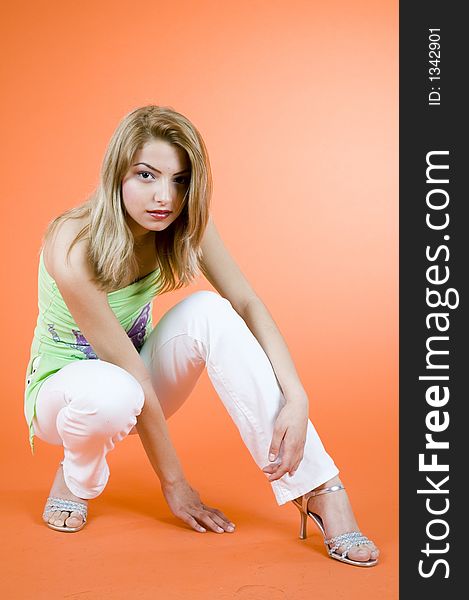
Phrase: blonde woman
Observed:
(99, 371)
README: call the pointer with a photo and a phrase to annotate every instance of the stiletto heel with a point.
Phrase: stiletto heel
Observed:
(303, 523)
(348, 540)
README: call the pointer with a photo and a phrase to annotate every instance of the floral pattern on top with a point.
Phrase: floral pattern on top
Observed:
(136, 334)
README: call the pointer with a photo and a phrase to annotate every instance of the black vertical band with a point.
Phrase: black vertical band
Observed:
(434, 254)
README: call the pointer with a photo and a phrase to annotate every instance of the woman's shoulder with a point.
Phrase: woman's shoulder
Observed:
(55, 247)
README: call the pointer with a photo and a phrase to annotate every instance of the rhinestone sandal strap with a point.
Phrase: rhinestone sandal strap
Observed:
(54, 504)
(348, 540)
(344, 537)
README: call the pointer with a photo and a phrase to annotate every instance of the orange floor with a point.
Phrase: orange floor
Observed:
(134, 548)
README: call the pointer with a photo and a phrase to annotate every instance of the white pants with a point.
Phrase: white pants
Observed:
(89, 405)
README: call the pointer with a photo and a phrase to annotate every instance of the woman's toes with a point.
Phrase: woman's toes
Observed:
(360, 553)
(69, 519)
(374, 551)
(61, 518)
(54, 516)
(74, 520)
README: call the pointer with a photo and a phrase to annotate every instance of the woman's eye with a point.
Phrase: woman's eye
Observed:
(179, 180)
(144, 173)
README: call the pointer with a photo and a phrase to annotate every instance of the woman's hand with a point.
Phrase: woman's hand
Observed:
(185, 503)
(289, 438)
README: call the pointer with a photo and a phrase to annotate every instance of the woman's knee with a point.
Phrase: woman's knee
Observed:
(108, 397)
(208, 306)
(126, 401)
(208, 300)
(198, 315)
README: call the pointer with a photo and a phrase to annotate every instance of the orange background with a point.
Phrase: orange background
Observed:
(298, 104)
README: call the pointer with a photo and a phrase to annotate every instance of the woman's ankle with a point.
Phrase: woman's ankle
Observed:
(329, 483)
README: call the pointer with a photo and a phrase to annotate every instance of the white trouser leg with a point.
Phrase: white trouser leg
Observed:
(87, 406)
(204, 330)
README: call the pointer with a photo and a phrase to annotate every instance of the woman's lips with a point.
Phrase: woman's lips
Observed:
(159, 214)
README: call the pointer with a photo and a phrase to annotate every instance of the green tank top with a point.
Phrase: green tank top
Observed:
(57, 340)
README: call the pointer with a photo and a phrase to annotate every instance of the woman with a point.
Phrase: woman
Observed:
(99, 371)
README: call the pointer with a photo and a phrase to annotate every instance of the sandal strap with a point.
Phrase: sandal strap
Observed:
(326, 490)
(348, 541)
(54, 504)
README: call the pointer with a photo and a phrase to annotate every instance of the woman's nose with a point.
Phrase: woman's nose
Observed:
(163, 190)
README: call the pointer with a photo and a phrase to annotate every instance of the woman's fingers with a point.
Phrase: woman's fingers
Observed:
(189, 519)
(279, 473)
(291, 459)
(221, 525)
(186, 504)
(221, 519)
(296, 465)
(209, 519)
(278, 470)
(203, 519)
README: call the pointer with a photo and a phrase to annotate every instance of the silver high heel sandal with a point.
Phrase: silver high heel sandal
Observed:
(53, 504)
(348, 540)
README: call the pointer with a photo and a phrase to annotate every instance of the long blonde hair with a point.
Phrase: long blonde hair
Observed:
(110, 242)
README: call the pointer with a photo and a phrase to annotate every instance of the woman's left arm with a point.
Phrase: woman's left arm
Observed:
(226, 277)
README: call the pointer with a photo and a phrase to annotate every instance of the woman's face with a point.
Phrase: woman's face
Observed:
(157, 180)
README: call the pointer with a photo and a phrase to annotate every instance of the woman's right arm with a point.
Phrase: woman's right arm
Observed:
(90, 309)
